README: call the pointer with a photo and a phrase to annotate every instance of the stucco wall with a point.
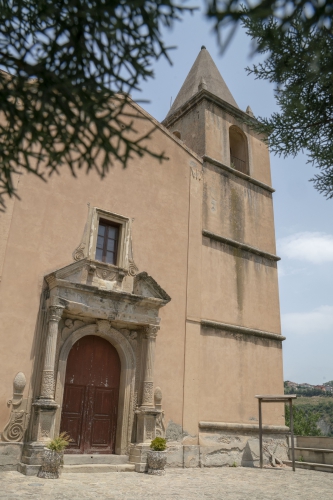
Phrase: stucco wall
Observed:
(47, 225)
(236, 209)
(227, 358)
(169, 204)
(239, 288)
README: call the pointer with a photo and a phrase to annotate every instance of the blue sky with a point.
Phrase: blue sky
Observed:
(303, 217)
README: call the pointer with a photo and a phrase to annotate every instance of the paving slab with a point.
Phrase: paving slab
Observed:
(227, 483)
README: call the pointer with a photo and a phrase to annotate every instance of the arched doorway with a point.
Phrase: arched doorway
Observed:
(90, 402)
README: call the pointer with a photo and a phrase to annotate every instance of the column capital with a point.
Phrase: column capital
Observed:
(150, 331)
(55, 313)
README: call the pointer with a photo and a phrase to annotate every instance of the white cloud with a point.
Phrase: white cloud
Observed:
(320, 320)
(316, 248)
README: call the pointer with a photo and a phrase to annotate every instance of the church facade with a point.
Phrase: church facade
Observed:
(146, 304)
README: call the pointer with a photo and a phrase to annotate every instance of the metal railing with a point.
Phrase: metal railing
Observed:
(238, 164)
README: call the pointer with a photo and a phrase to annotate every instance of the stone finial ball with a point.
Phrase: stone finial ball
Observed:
(19, 382)
(202, 47)
(158, 395)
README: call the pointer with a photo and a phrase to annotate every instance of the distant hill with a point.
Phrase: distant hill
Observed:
(322, 406)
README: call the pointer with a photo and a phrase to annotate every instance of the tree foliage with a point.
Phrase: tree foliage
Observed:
(297, 39)
(313, 14)
(305, 423)
(300, 64)
(63, 61)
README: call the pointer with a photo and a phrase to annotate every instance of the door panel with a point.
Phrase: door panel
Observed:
(91, 394)
(73, 413)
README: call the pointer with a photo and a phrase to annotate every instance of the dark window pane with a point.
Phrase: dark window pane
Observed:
(100, 242)
(111, 245)
(112, 232)
(110, 257)
(107, 242)
(99, 254)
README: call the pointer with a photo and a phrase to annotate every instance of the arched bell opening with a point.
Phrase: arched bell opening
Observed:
(238, 150)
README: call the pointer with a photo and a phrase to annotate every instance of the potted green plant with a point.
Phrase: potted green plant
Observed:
(157, 456)
(53, 456)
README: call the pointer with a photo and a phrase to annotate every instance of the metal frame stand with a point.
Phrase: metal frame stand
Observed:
(277, 399)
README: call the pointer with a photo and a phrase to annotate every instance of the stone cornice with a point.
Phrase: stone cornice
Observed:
(242, 330)
(205, 94)
(115, 295)
(237, 173)
(241, 246)
(227, 426)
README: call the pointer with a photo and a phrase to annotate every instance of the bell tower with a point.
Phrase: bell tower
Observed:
(239, 335)
(206, 117)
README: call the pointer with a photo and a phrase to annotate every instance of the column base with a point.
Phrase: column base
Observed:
(146, 423)
(138, 456)
(33, 453)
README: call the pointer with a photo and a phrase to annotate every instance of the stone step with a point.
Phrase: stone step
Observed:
(96, 468)
(314, 455)
(310, 466)
(86, 459)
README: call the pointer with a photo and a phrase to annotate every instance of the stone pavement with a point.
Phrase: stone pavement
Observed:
(225, 483)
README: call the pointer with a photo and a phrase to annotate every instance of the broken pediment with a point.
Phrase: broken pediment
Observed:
(146, 286)
(93, 289)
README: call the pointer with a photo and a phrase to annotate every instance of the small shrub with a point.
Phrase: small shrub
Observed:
(158, 444)
(234, 464)
(59, 443)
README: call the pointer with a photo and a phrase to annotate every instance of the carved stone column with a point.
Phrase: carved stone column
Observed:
(45, 406)
(48, 377)
(148, 379)
(146, 414)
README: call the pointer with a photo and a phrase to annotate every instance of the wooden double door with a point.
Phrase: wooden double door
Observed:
(90, 403)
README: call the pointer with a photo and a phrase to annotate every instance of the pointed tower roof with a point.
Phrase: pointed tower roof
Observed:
(203, 75)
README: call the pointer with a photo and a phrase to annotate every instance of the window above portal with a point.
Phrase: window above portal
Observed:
(107, 242)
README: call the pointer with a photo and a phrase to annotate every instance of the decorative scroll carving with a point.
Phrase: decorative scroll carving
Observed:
(159, 426)
(132, 268)
(14, 429)
(78, 253)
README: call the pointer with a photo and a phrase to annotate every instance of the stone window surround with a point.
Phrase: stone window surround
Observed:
(124, 234)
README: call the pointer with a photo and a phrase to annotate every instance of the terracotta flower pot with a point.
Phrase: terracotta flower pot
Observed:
(156, 462)
(52, 461)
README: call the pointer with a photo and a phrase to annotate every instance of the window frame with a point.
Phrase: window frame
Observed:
(123, 224)
(108, 224)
